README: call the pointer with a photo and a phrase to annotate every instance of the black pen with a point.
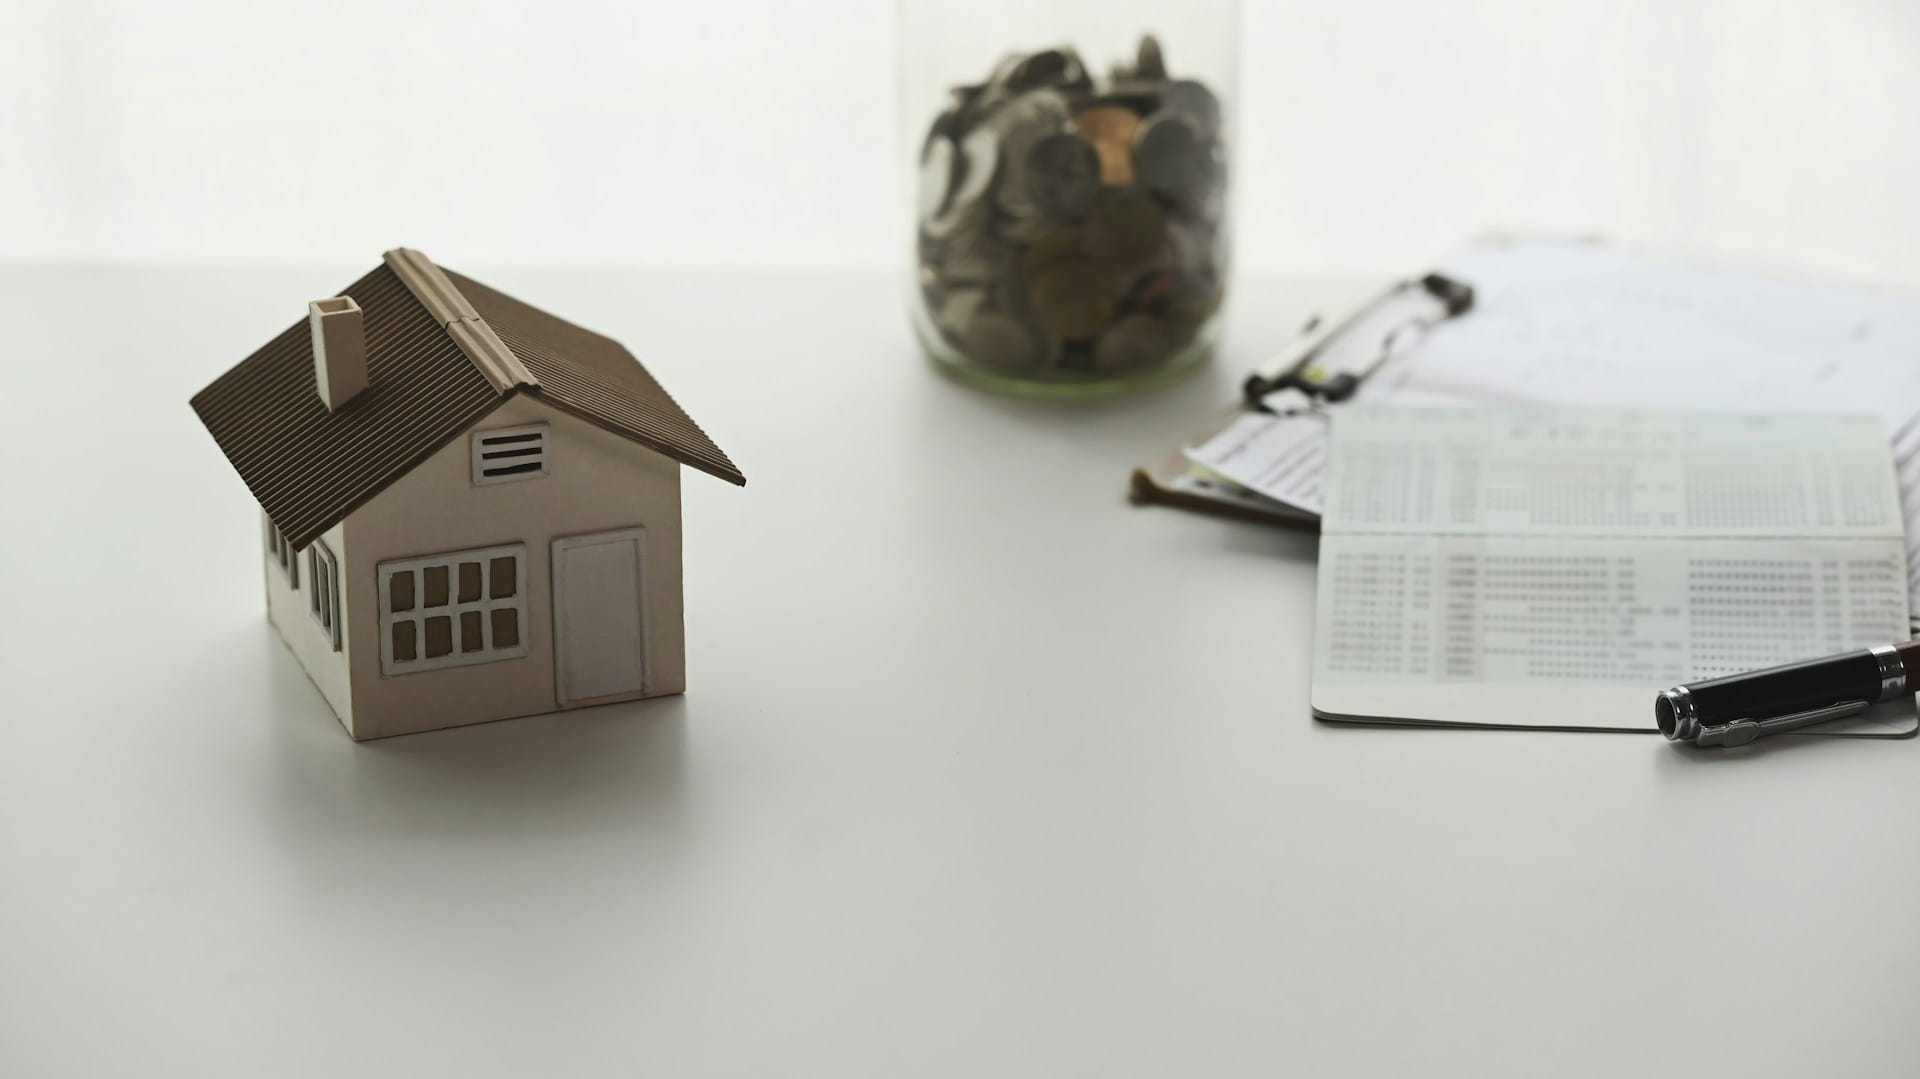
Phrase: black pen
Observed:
(1735, 710)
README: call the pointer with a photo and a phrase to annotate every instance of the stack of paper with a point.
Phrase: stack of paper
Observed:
(1558, 568)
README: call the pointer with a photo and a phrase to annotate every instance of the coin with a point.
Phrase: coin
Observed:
(1172, 158)
(1124, 228)
(1054, 68)
(1063, 173)
(979, 157)
(999, 341)
(1111, 130)
(1195, 101)
(958, 309)
(1153, 291)
(936, 176)
(1134, 343)
(1020, 124)
(980, 154)
(1071, 296)
(1194, 255)
(1140, 98)
(1149, 62)
(975, 255)
(1061, 244)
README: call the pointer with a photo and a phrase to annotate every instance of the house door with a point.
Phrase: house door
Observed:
(599, 617)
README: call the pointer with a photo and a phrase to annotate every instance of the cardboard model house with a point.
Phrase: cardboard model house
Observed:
(470, 508)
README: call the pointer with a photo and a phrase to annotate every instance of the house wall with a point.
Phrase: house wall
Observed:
(596, 482)
(290, 610)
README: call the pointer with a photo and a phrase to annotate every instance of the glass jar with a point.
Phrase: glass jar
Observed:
(1070, 162)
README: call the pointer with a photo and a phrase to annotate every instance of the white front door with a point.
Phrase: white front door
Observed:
(599, 616)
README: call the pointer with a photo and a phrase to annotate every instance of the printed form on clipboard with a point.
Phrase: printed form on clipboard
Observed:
(1586, 325)
(1556, 568)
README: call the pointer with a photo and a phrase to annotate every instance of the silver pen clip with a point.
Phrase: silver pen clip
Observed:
(1739, 732)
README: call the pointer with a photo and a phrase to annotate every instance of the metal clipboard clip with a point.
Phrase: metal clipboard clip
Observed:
(1301, 368)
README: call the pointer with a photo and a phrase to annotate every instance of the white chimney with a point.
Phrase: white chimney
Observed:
(339, 349)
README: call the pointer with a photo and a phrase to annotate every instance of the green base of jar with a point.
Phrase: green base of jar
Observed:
(1065, 384)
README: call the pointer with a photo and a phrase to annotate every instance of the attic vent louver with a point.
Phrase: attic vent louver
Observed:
(510, 453)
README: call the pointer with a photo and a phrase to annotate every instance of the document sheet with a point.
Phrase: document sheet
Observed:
(1577, 324)
(1558, 568)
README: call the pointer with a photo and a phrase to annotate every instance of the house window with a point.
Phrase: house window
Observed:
(510, 453)
(281, 552)
(453, 610)
(323, 574)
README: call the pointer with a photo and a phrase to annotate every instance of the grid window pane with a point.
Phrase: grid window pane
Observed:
(400, 592)
(501, 578)
(471, 638)
(469, 582)
(506, 627)
(436, 590)
(439, 636)
(403, 641)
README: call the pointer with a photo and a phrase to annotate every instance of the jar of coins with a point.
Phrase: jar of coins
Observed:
(1071, 211)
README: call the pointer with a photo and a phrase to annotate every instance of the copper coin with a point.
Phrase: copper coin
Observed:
(1111, 130)
(1072, 298)
(1124, 229)
(1061, 244)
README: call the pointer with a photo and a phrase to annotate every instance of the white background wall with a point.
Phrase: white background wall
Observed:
(740, 133)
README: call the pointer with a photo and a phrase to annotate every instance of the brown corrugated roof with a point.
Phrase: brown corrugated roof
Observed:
(432, 373)
(596, 378)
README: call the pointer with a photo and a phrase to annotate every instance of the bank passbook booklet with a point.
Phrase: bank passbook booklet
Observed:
(1557, 568)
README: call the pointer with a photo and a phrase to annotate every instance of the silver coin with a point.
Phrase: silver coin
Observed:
(979, 160)
(1004, 68)
(1063, 174)
(1020, 123)
(1195, 102)
(1149, 62)
(958, 309)
(1195, 257)
(976, 256)
(1001, 342)
(1048, 69)
(1173, 158)
(1134, 343)
(936, 176)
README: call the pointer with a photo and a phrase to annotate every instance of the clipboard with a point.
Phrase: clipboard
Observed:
(1587, 323)
(1305, 376)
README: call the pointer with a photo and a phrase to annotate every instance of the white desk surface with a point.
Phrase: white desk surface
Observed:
(983, 771)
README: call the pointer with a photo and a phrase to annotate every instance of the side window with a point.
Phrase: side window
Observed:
(454, 609)
(323, 577)
(510, 453)
(281, 552)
